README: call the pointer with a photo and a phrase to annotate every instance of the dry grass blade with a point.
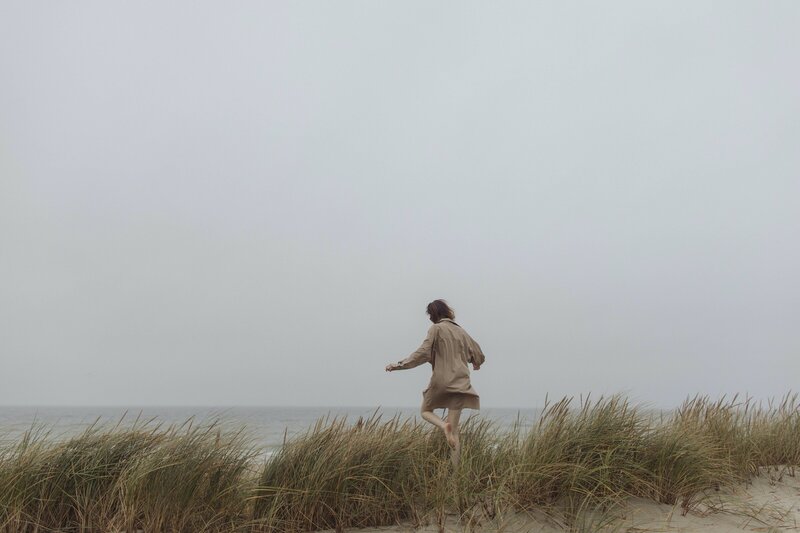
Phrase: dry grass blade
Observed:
(578, 464)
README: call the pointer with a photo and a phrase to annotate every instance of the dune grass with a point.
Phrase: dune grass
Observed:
(581, 459)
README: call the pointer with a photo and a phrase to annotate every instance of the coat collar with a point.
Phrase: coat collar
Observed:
(449, 320)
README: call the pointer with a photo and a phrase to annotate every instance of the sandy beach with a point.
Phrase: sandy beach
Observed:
(770, 504)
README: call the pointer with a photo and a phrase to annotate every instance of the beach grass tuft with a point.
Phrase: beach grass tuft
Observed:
(577, 464)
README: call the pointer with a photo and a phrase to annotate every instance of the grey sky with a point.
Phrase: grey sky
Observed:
(228, 203)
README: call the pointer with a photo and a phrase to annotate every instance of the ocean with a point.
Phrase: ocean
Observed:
(267, 426)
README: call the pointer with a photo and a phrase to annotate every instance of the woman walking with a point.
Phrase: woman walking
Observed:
(449, 349)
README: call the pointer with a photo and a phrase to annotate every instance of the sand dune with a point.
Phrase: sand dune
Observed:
(770, 504)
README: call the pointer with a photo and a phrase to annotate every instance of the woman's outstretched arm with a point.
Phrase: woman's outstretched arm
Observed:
(423, 354)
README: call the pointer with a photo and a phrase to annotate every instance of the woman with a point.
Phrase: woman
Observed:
(449, 350)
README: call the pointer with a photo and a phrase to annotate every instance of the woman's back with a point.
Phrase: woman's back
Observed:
(453, 351)
(454, 347)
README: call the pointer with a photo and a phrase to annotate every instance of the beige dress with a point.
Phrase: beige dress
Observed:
(449, 349)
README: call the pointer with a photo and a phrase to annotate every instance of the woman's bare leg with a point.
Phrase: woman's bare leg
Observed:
(434, 419)
(453, 417)
(445, 425)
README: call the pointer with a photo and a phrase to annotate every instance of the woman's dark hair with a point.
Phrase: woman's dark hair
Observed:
(438, 309)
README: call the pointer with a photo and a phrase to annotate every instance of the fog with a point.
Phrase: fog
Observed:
(251, 203)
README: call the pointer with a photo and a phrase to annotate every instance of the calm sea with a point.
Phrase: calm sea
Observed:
(266, 425)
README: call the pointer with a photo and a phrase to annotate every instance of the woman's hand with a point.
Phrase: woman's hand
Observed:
(390, 367)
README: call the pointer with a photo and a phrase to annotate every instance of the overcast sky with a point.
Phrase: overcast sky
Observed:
(251, 203)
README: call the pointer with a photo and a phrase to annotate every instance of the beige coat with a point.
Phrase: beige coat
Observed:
(449, 349)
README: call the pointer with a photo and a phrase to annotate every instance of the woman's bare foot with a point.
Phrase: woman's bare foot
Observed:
(452, 441)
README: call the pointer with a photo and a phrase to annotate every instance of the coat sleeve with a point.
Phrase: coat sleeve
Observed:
(476, 356)
(423, 354)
